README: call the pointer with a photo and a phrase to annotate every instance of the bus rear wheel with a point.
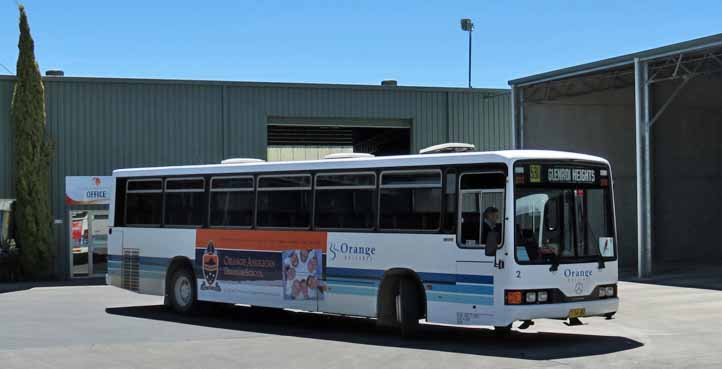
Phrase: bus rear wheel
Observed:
(183, 291)
(407, 307)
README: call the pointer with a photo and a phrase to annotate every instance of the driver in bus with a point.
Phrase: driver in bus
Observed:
(491, 223)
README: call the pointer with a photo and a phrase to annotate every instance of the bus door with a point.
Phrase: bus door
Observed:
(480, 211)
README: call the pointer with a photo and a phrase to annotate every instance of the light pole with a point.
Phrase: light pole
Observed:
(468, 26)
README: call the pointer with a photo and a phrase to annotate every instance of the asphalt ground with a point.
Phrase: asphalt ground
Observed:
(658, 326)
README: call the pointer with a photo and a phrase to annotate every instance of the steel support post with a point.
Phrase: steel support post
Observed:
(644, 199)
(521, 117)
(514, 117)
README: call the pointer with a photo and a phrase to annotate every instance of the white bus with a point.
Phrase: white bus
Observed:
(471, 238)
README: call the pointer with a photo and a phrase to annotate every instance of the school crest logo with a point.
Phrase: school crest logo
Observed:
(210, 268)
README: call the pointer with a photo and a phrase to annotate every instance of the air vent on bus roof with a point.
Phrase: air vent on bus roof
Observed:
(348, 155)
(450, 147)
(241, 161)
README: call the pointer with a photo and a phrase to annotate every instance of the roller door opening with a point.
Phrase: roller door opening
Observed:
(311, 142)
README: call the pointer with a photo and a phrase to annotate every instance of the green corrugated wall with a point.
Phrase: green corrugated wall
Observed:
(100, 124)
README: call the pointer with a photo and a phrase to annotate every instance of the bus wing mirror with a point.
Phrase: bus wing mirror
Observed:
(492, 243)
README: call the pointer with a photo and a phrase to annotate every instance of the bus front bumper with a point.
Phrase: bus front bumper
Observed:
(563, 310)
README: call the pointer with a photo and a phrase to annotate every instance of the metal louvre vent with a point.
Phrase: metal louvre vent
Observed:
(129, 269)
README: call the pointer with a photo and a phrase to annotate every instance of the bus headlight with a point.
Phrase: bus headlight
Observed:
(610, 291)
(606, 291)
(542, 296)
(530, 297)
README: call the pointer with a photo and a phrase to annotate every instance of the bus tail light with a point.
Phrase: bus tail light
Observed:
(513, 297)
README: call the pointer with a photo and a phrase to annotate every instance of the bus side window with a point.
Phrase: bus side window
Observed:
(284, 201)
(410, 200)
(144, 202)
(184, 202)
(231, 202)
(345, 201)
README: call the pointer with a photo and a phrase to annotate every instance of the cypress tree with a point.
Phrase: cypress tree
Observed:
(33, 153)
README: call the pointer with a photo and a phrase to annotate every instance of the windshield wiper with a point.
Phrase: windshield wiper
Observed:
(555, 263)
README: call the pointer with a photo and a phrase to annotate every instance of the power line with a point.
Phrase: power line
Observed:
(6, 68)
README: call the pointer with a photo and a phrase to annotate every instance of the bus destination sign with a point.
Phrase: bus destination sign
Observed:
(540, 174)
(570, 175)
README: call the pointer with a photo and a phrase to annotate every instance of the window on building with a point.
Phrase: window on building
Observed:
(345, 200)
(144, 202)
(410, 200)
(232, 201)
(184, 202)
(284, 201)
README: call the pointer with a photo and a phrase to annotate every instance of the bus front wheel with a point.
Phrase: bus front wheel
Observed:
(183, 291)
(407, 307)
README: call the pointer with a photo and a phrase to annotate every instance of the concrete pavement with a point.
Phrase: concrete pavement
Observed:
(105, 327)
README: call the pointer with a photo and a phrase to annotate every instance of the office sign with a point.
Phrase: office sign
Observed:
(89, 190)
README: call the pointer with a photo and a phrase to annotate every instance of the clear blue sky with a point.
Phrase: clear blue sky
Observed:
(415, 42)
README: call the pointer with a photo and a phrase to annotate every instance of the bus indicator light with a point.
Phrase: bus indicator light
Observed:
(513, 297)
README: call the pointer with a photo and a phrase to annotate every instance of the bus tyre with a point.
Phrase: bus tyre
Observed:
(183, 291)
(407, 308)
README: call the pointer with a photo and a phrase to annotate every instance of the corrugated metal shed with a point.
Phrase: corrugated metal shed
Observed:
(101, 124)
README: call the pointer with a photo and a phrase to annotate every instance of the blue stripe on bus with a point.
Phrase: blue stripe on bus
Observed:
(355, 282)
(348, 290)
(143, 266)
(149, 260)
(455, 278)
(354, 273)
(481, 279)
(151, 274)
(425, 277)
(463, 288)
(459, 298)
(334, 272)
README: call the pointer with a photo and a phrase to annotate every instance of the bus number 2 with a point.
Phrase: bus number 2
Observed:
(518, 274)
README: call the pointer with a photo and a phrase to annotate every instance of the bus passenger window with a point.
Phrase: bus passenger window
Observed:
(232, 202)
(184, 201)
(410, 200)
(345, 200)
(284, 201)
(143, 202)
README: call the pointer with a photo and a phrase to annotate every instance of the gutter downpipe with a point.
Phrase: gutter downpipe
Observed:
(644, 213)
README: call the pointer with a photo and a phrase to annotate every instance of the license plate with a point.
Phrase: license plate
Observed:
(576, 313)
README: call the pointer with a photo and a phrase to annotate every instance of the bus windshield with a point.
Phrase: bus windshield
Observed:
(566, 223)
